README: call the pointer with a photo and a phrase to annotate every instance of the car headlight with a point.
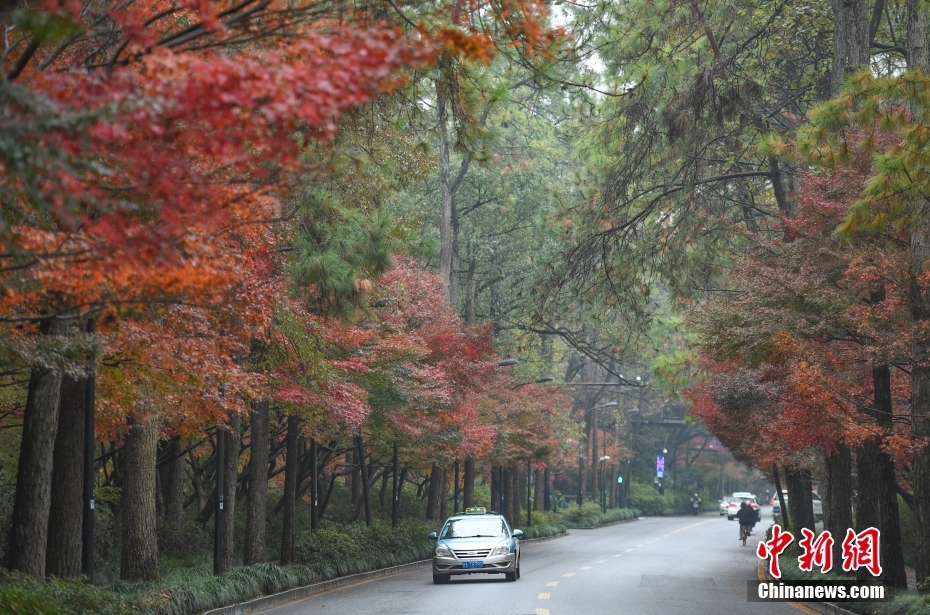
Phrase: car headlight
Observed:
(443, 551)
(501, 550)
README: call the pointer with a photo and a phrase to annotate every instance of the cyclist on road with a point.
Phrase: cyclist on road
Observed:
(746, 517)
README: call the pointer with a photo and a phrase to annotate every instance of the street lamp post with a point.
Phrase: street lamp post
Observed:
(603, 461)
(629, 460)
(455, 489)
(218, 512)
(529, 495)
(594, 429)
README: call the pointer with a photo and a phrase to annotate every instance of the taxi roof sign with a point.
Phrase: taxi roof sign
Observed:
(475, 510)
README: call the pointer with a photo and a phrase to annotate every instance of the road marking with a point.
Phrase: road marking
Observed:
(569, 574)
(602, 561)
(665, 536)
(552, 583)
(629, 550)
(638, 546)
(616, 555)
(542, 611)
(586, 567)
(649, 543)
(544, 595)
(691, 526)
(760, 572)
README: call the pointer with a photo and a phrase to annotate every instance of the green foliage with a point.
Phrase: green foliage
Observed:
(651, 502)
(182, 541)
(356, 548)
(590, 515)
(23, 595)
(908, 532)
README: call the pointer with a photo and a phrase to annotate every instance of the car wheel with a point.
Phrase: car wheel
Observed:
(518, 568)
(441, 579)
(510, 576)
(729, 518)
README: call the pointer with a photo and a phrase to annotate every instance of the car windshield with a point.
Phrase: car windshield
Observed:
(489, 527)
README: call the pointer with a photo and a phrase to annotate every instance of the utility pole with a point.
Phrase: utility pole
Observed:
(529, 495)
(455, 489)
(395, 496)
(314, 488)
(218, 512)
(87, 524)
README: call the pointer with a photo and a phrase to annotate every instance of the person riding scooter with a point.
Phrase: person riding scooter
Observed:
(696, 504)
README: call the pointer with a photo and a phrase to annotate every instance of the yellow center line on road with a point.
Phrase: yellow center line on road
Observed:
(552, 584)
(691, 526)
(544, 595)
(569, 574)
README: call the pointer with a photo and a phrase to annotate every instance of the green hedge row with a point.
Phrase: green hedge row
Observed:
(590, 515)
(323, 555)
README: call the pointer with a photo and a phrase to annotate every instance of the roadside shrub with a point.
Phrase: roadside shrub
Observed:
(647, 499)
(183, 540)
(357, 548)
(590, 515)
(24, 595)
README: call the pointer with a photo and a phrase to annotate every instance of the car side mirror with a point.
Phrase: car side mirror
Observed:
(518, 533)
(433, 536)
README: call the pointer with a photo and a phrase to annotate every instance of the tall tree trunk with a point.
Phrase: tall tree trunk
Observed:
(172, 481)
(354, 477)
(468, 483)
(517, 499)
(139, 538)
(63, 557)
(800, 509)
(850, 38)
(230, 480)
(495, 489)
(257, 497)
(366, 495)
(291, 469)
(868, 471)
(838, 511)
(892, 557)
(539, 489)
(919, 58)
(437, 493)
(31, 504)
(444, 85)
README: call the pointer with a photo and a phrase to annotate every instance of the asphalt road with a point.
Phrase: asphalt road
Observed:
(668, 566)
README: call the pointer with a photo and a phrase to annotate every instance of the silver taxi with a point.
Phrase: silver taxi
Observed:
(476, 542)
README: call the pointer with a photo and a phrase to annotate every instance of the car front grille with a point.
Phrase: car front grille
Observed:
(472, 554)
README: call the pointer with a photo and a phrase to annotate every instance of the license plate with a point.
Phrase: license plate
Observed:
(472, 564)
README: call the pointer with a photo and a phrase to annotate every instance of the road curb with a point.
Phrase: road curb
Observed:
(264, 603)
